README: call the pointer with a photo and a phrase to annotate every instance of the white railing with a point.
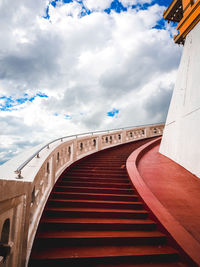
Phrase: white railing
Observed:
(25, 184)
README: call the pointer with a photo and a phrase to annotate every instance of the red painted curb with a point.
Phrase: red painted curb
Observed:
(182, 237)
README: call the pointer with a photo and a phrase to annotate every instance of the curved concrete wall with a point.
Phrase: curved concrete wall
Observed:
(181, 138)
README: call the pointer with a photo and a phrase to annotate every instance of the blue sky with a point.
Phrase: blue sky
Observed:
(74, 66)
(113, 113)
(118, 6)
(115, 6)
(9, 103)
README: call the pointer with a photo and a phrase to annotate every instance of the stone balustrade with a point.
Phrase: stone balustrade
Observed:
(24, 195)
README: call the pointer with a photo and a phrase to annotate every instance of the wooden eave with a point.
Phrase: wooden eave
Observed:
(174, 12)
(188, 22)
(178, 39)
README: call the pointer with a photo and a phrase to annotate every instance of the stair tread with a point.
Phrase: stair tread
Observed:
(94, 169)
(80, 172)
(95, 185)
(100, 179)
(94, 188)
(107, 164)
(98, 234)
(91, 183)
(98, 168)
(97, 220)
(96, 201)
(96, 194)
(94, 173)
(96, 210)
(130, 264)
(101, 251)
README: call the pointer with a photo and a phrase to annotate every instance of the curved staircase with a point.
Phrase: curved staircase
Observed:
(94, 217)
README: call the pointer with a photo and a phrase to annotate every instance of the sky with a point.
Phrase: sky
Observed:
(72, 66)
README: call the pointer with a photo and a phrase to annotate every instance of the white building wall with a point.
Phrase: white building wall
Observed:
(181, 138)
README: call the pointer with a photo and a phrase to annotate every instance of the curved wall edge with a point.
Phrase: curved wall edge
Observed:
(179, 234)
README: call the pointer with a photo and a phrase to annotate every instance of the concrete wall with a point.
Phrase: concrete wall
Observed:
(181, 138)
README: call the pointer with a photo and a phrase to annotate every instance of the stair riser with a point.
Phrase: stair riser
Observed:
(88, 214)
(106, 165)
(95, 174)
(100, 185)
(101, 159)
(96, 226)
(62, 242)
(94, 197)
(135, 206)
(99, 168)
(94, 190)
(99, 262)
(92, 179)
(106, 160)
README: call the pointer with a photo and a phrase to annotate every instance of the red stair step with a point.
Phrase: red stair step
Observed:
(92, 190)
(92, 179)
(106, 165)
(96, 174)
(94, 204)
(94, 184)
(95, 213)
(94, 196)
(156, 262)
(85, 238)
(117, 253)
(47, 224)
(97, 170)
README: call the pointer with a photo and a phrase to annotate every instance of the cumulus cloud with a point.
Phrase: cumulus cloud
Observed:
(87, 62)
(128, 3)
(97, 5)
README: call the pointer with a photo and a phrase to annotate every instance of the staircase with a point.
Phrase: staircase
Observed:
(94, 217)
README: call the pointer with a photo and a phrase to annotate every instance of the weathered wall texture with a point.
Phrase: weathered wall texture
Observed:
(181, 138)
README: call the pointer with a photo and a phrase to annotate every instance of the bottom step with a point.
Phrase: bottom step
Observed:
(98, 255)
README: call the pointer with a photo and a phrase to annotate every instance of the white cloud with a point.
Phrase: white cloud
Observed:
(97, 5)
(86, 65)
(128, 3)
(60, 12)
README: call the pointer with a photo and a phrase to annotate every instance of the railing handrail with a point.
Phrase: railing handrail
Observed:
(36, 154)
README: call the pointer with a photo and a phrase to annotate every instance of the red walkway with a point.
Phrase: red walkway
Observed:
(171, 193)
(176, 188)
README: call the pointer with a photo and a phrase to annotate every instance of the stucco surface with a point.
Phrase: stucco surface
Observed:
(181, 140)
